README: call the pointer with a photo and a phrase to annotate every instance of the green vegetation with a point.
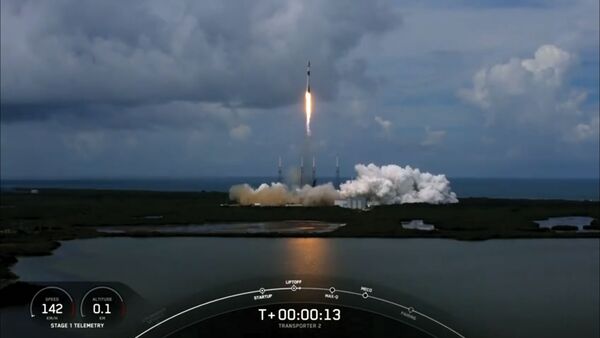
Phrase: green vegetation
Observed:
(31, 224)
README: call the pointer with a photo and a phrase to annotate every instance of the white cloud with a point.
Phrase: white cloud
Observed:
(385, 125)
(531, 93)
(518, 78)
(433, 137)
(585, 131)
(548, 64)
(240, 132)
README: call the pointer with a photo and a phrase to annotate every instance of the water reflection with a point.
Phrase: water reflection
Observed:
(308, 256)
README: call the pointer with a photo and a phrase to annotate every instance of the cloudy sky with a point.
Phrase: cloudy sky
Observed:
(210, 88)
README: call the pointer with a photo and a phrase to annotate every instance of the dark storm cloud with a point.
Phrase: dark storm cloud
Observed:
(62, 56)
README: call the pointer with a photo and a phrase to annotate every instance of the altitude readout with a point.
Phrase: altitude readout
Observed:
(304, 314)
(102, 304)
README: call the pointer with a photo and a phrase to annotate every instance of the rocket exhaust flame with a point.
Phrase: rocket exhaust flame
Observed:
(308, 111)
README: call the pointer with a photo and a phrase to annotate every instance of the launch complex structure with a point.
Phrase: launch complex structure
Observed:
(313, 177)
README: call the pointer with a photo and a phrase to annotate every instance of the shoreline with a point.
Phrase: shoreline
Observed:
(35, 224)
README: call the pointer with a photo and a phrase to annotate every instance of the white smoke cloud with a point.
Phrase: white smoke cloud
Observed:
(392, 184)
(278, 194)
(388, 184)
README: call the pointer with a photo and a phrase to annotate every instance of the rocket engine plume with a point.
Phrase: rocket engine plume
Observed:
(308, 112)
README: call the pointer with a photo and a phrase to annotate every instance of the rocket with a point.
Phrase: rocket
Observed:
(308, 100)
(308, 77)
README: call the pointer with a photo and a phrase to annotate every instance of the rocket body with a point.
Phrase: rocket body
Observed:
(308, 77)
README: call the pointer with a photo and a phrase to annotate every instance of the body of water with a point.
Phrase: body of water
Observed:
(496, 288)
(574, 189)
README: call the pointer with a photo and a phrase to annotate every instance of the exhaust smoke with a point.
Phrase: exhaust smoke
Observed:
(393, 184)
(278, 194)
(388, 184)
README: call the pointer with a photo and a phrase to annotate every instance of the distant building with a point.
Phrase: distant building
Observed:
(352, 203)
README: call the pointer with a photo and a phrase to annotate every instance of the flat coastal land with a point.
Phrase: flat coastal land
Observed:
(34, 223)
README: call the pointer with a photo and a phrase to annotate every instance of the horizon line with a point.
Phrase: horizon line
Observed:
(159, 177)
